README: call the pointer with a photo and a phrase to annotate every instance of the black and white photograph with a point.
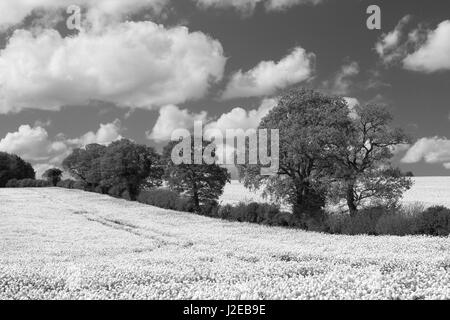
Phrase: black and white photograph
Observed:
(224, 154)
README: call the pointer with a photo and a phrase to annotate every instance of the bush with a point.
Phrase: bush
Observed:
(27, 183)
(397, 224)
(13, 183)
(164, 198)
(67, 184)
(262, 213)
(434, 221)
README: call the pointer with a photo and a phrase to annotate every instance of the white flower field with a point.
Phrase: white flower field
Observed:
(69, 244)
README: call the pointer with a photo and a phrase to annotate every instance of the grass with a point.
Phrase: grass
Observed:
(69, 244)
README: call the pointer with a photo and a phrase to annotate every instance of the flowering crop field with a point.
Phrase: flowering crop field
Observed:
(69, 244)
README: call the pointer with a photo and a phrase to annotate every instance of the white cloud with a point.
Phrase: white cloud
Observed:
(106, 134)
(269, 76)
(171, 118)
(389, 46)
(352, 103)
(34, 145)
(419, 50)
(342, 82)
(239, 118)
(434, 54)
(138, 64)
(432, 150)
(15, 11)
(278, 5)
(248, 6)
(244, 6)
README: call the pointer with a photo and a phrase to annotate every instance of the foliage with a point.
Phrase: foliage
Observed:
(120, 169)
(202, 183)
(434, 221)
(128, 167)
(27, 183)
(13, 167)
(309, 123)
(361, 159)
(53, 176)
(67, 184)
(167, 199)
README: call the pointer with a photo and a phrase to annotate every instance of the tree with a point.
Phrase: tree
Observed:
(202, 183)
(308, 122)
(53, 176)
(361, 158)
(122, 167)
(84, 164)
(129, 167)
(13, 167)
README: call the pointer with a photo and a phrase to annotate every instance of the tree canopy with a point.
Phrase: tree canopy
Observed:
(122, 167)
(14, 167)
(202, 183)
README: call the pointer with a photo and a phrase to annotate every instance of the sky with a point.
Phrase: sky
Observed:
(141, 68)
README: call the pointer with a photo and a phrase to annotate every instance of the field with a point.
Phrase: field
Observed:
(68, 244)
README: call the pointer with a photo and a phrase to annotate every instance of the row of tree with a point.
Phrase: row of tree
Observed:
(330, 152)
(125, 168)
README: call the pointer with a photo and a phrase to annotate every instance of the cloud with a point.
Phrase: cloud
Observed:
(132, 64)
(278, 5)
(243, 6)
(388, 46)
(419, 49)
(269, 76)
(34, 145)
(432, 150)
(171, 118)
(15, 11)
(106, 134)
(342, 82)
(248, 6)
(239, 118)
(434, 54)
(352, 103)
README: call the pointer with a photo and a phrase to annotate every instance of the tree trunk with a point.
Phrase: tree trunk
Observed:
(195, 198)
(351, 201)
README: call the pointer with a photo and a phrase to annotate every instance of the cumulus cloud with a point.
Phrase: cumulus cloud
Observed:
(15, 11)
(419, 49)
(434, 54)
(133, 64)
(106, 134)
(239, 118)
(33, 144)
(269, 76)
(248, 6)
(431, 150)
(171, 118)
(388, 46)
(343, 80)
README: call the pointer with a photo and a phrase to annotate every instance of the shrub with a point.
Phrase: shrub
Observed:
(434, 221)
(80, 185)
(13, 183)
(164, 198)
(262, 213)
(397, 224)
(27, 183)
(68, 184)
